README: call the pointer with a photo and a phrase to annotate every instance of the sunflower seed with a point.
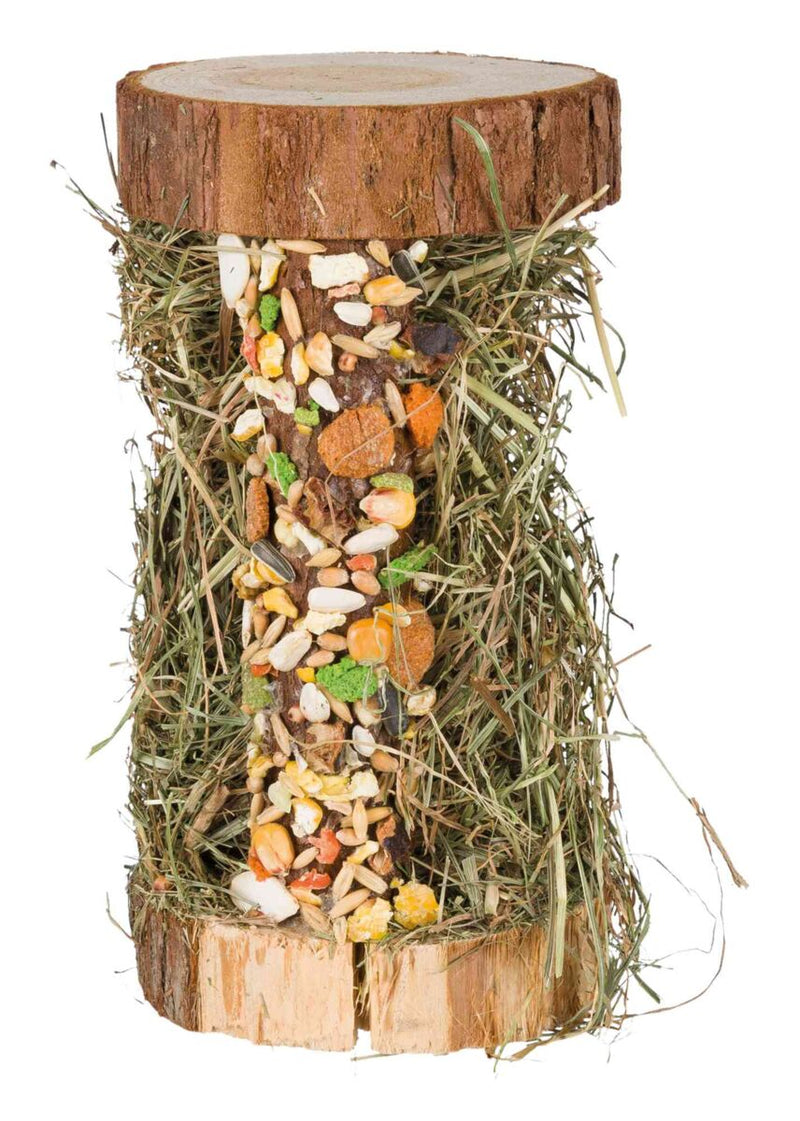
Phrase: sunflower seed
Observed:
(263, 551)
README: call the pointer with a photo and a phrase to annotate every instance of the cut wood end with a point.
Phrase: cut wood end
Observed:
(362, 145)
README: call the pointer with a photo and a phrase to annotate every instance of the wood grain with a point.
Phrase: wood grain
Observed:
(258, 154)
(478, 992)
(279, 986)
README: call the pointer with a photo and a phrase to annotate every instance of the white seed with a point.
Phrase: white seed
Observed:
(335, 269)
(319, 622)
(268, 896)
(286, 654)
(363, 741)
(353, 312)
(421, 703)
(335, 600)
(307, 537)
(418, 251)
(234, 267)
(371, 540)
(365, 715)
(355, 346)
(298, 365)
(383, 334)
(271, 260)
(321, 392)
(319, 355)
(284, 396)
(300, 246)
(313, 703)
(247, 622)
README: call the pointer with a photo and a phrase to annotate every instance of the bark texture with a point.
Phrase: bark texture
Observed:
(359, 170)
(284, 988)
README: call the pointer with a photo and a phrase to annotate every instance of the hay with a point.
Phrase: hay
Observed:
(509, 785)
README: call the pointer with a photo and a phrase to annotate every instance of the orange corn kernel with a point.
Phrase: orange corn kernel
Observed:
(273, 847)
(369, 641)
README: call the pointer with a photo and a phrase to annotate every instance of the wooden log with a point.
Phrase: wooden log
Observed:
(166, 959)
(476, 992)
(268, 986)
(282, 987)
(362, 145)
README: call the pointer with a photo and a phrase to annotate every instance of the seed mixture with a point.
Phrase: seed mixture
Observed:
(336, 425)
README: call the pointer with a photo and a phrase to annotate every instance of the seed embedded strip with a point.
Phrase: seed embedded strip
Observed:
(331, 466)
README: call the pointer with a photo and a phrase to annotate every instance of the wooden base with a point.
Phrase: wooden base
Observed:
(280, 987)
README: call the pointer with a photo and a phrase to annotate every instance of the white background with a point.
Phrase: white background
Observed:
(695, 491)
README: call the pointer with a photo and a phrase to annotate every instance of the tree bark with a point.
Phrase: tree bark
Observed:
(268, 147)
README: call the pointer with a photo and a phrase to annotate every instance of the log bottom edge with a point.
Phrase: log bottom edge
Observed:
(284, 989)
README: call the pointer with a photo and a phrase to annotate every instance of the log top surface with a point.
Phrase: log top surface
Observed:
(360, 79)
(343, 146)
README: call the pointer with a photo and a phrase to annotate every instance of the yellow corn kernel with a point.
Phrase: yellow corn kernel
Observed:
(415, 905)
(279, 601)
(399, 352)
(359, 855)
(307, 780)
(383, 288)
(369, 922)
(306, 674)
(304, 429)
(269, 352)
(333, 785)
